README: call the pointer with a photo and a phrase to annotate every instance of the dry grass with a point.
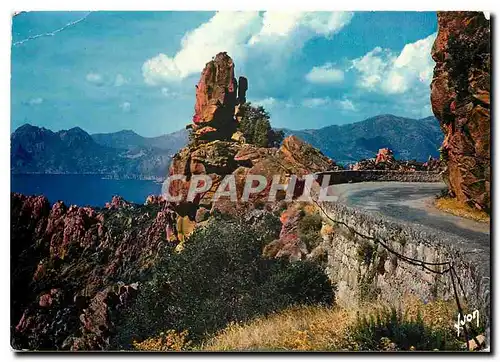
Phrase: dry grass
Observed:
(436, 314)
(455, 207)
(298, 328)
(317, 328)
(171, 341)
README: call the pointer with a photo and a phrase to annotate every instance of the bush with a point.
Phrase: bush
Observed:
(265, 224)
(390, 330)
(309, 230)
(220, 277)
(256, 127)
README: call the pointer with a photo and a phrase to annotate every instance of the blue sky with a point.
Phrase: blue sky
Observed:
(108, 71)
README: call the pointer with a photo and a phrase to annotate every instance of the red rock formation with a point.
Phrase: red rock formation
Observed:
(220, 158)
(216, 99)
(67, 265)
(460, 97)
(288, 244)
(385, 160)
(224, 152)
(385, 155)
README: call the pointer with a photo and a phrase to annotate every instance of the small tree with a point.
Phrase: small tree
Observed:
(256, 127)
(275, 138)
(261, 129)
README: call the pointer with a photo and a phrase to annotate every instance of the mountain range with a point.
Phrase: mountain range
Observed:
(125, 154)
(128, 139)
(410, 139)
(122, 154)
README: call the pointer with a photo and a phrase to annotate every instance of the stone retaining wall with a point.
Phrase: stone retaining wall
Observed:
(346, 176)
(363, 270)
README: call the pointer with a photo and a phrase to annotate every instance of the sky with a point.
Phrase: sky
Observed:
(109, 71)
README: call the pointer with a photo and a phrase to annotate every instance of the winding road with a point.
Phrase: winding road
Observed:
(411, 202)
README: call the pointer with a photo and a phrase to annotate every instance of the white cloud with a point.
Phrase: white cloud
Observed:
(371, 67)
(35, 101)
(242, 34)
(316, 102)
(168, 93)
(383, 71)
(319, 102)
(276, 25)
(125, 107)
(346, 105)
(120, 80)
(225, 31)
(265, 102)
(94, 78)
(325, 74)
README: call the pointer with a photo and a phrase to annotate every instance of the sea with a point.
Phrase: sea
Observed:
(84, 190)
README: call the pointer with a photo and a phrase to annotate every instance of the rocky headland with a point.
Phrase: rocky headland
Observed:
(218, 148)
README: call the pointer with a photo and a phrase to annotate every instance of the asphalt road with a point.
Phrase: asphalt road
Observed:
(411, 202)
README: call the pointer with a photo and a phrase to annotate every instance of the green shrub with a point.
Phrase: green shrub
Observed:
(219, 277)
(256, 127)
(309, 230)
(267, 226)
(365, 252)
(390, 330)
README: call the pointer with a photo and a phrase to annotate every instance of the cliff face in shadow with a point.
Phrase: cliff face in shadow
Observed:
(460, 97)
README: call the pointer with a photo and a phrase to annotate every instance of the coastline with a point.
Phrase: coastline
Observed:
(104, 176)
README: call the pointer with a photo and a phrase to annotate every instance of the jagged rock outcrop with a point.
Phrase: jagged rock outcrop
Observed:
(217, 96)
(385, 155)
(385, 160)
(218, 149)
(220, 158)
(74, 268)
(460, 97)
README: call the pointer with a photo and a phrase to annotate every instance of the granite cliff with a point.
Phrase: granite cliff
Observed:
(460, 97)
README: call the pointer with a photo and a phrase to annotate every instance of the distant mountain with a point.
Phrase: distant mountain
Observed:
(74, 151)
(408, 138)
(125, 154)
(128, 139)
